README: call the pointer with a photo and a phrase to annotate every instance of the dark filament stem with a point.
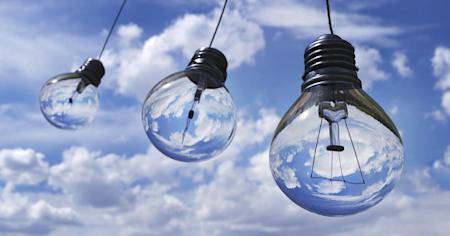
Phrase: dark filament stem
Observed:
(80, 88)
(198, 94)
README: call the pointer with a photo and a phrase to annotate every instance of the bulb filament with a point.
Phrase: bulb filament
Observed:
(197, 96)
(333, 113)
(80, 88)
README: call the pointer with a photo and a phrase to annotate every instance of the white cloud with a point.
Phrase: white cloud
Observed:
(307, 20)
(21, 215)
(438, 115)
(42, 210)
(446, 102)
(369, 62)
(447, 156)
(401, 64)
(87, 179)
(129, 33)
(361, 5)
(22, 166)
(147, 194)
(441, 69)
(410, 216)
(137, 187)
(142, 63)
(139, 68)
(394, 110)
(443, 163)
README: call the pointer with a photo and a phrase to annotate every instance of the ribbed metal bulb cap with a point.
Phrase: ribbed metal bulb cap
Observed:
(330, 60)
(208, 61)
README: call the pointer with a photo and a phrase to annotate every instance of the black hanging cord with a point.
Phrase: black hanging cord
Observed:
(112, 28)
(218, 23)
(329, 17)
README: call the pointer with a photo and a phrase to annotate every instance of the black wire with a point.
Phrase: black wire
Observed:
(218, 23)
(112, 28)
(329, 17)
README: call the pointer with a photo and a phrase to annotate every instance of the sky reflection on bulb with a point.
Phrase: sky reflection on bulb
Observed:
(165, 113)
(331, 191)
(65, 108)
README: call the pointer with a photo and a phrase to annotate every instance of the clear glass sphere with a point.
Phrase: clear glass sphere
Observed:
(165, 117)
(336, 152)
(64, 107)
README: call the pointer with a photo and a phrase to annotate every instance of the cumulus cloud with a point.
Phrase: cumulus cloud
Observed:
(369, 62)
(128, 33)
(147, 194)
(441, 69)
(88, 180)
(21, 215)
(437, 115)
(144, 188)
(410, 212)
(307, 20)
(446, 102)
(400, 62)
(22, 166)
(444, 162)
(140, 67)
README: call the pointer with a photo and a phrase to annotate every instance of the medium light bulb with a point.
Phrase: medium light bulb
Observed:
(70, 101)
(336, 151)
(190, 116)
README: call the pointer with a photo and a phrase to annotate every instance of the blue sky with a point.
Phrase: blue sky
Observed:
(107, 179)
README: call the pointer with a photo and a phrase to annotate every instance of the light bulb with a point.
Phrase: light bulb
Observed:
(190, 116)
(336, 151)
(70, 101)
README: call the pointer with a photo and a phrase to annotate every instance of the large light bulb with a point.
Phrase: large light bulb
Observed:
(189, 115)
(70, 101)
(335, 152)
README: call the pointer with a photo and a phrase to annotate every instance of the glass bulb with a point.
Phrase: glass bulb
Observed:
(68, 102)
(188, 121)
(336, 152)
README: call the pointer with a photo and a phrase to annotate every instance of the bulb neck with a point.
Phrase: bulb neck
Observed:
(92, 72)
(211, 62)
(330, 60)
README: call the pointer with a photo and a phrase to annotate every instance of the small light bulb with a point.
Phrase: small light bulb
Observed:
(70, 101)
(336, 151)
(190, 116)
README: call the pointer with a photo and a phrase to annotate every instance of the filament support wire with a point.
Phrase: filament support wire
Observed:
(331, 178)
